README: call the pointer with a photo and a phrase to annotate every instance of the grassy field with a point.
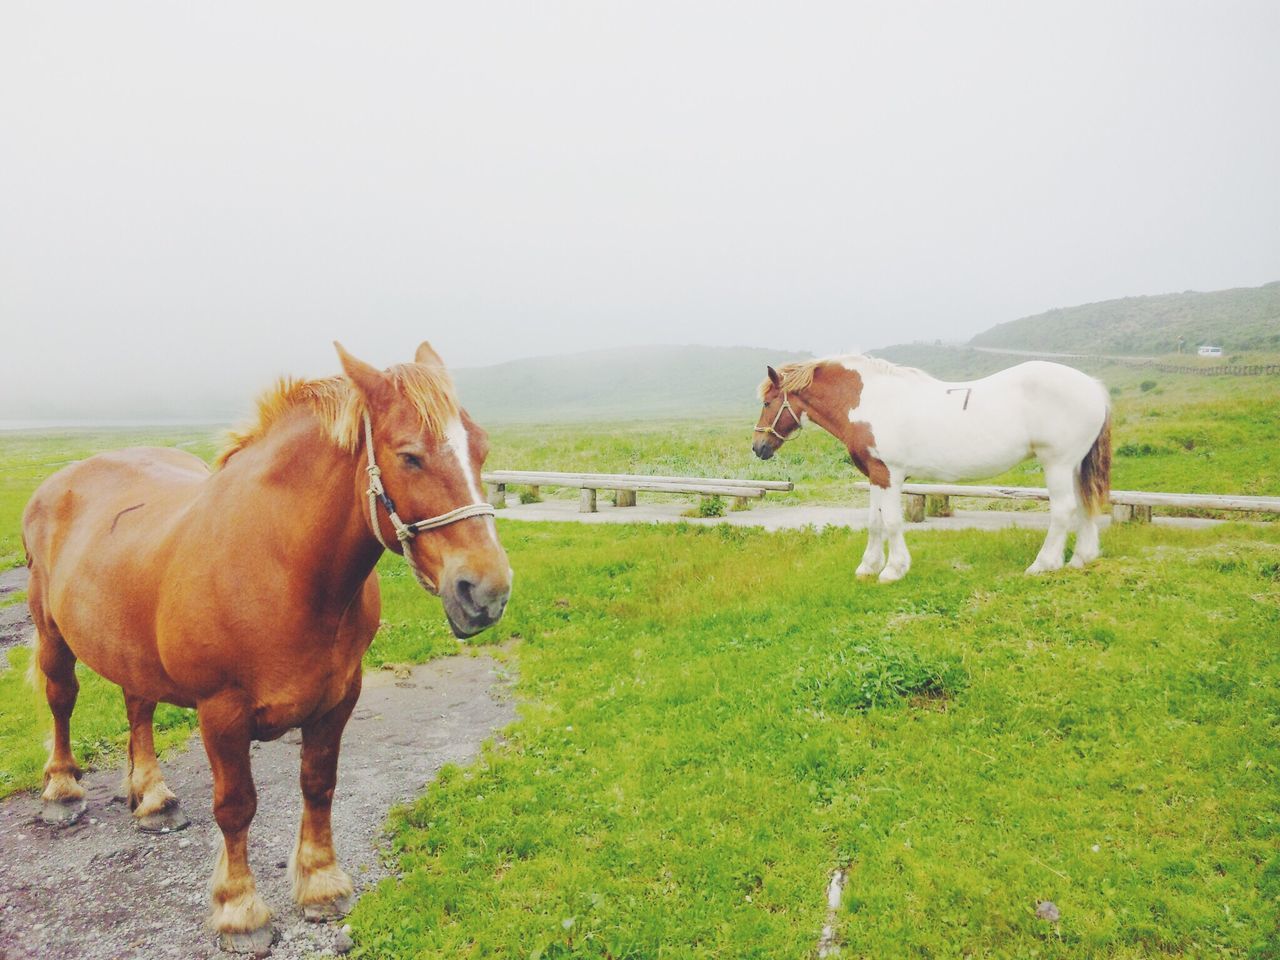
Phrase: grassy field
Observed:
(712, 720)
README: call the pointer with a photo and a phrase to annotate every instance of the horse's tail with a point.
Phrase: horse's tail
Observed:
(1095, 471)
(35, 676)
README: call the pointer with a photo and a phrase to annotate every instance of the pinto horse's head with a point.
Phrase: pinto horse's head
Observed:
(428, 455)
(780, 420)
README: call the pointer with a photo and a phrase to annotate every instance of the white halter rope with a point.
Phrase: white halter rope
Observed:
(787, 408)
(407, 531)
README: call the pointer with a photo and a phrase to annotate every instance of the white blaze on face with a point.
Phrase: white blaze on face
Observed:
(459, 441)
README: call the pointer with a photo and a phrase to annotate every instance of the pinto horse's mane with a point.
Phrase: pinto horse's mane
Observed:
(340, 408)
(798, 376)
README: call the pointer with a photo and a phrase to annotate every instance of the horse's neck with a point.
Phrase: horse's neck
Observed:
(301, 478)
(832, 397)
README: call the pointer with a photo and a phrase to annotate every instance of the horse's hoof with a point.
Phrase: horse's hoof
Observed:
(62, 813)
(326, 910)
(889, 575)
(1038, 568)
(255, 942)
(866, 573)
(168, 820)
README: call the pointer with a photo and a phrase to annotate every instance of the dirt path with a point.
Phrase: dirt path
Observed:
(14, 621)
(100, 889)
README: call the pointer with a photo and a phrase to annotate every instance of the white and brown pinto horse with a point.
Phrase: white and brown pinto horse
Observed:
(901, 424)
(249, 593)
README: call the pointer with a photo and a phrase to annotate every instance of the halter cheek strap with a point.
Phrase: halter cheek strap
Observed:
(407, 531)
(773, 427)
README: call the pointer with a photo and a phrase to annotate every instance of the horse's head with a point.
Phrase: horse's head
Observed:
(782, 416)
(423, 456)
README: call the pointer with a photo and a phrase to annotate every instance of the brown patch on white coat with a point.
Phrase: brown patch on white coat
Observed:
(825, 393)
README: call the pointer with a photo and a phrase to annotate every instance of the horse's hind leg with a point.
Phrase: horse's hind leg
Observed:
(239, 916)
(155, 808)
(1088, 547)
(321, 887)
(62, 802)
(1064, 504)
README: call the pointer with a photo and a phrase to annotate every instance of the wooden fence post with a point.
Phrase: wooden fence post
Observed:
(624, 498)
(1121, 513)
(936, 506)
(587, 502)
(498, 495)
(741, 503)
(913, 507)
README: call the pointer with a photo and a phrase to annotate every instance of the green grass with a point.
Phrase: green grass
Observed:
(712, 720)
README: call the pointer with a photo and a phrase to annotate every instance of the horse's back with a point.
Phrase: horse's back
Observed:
(78, 498)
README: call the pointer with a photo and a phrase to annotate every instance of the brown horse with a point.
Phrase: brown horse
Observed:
(249, 593)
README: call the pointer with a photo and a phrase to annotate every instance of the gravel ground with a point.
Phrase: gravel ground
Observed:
(100, 889)
(15, 624)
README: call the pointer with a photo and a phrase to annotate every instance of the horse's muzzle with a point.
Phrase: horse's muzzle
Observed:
(475, 603)
(763, 449)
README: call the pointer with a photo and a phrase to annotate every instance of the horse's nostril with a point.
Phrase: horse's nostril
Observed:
(466, 594)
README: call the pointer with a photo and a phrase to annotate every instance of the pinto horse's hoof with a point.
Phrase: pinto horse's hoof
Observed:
(62, 813)
(255, 942)
(326, 910)
(169, 820)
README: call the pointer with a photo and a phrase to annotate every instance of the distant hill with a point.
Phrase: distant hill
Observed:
(1244, 318)
(627, 384)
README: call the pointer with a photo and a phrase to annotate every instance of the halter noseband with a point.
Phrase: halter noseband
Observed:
(773, 427)
(407, 531)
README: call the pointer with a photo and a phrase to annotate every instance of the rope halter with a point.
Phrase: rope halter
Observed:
(407, 531)
(787, 408)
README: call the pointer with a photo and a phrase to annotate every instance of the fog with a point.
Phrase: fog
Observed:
(197, 197)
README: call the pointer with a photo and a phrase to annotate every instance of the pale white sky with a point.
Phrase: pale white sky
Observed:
(194, 197)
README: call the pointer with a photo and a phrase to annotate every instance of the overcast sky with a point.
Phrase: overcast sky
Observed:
(199, 196)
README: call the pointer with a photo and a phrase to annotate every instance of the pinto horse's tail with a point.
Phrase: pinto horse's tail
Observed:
(1095, 471)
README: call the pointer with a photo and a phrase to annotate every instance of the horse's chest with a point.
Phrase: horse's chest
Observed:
(297, 703)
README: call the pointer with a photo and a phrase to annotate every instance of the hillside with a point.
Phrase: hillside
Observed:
(1244, 318)
(625, 384)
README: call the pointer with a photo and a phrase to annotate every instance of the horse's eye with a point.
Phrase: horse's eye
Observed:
(410, 461)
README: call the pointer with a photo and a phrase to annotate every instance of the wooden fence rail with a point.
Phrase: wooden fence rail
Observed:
(934, 499)
(626, 486)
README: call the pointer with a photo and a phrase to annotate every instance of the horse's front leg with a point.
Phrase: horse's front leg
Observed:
(891, 514)
(239, 916)
(873, 557)
(321, 888)
(155, 808)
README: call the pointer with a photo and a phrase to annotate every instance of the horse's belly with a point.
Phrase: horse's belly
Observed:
(959, 455)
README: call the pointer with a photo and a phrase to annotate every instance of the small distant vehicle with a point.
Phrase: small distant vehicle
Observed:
(1208, 351)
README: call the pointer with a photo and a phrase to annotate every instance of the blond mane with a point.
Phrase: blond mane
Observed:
(340, 408)
(798, 376)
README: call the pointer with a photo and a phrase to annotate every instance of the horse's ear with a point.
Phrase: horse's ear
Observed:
(367, 379)
(427, 354)
(774, 378)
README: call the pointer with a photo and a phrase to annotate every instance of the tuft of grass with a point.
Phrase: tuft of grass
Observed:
(865, 676)
(712, 506)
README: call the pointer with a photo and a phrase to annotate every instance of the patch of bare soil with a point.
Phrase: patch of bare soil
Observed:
(15, 623)
(100, 889)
